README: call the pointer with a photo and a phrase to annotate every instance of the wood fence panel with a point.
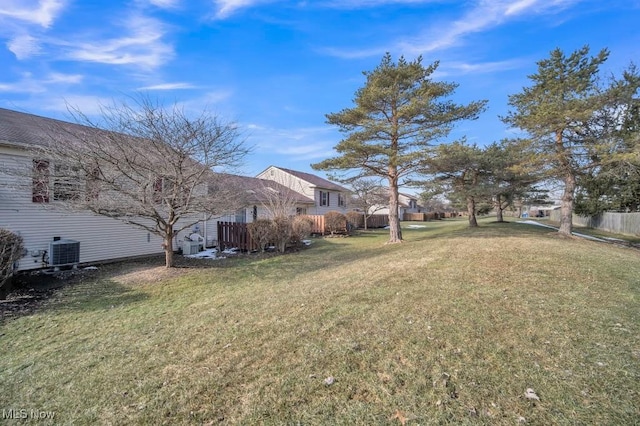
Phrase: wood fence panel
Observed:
(416, 217)
(617, 223)
(318, 223)
(377, 221)
(232, 234)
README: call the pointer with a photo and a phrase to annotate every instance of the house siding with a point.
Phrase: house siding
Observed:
(290, 181)
(101, 238)
(304, 187)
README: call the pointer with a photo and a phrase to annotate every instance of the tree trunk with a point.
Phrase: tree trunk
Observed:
(365, 221)
(499, 209)
(395, 233)
(471, 211)
(566, 206)
(168, 247)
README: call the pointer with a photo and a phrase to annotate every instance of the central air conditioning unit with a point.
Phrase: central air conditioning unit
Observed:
(64, 252)
(190, 247)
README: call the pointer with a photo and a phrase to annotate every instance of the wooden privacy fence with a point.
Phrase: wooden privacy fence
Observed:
(232, 234)
(373, 221)
(318, 223)
(618, 223)
(423, 217)
(377, 221)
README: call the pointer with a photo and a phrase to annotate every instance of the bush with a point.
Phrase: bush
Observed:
(301, 227)
(11, 248)
(281, 232)
(261, 231)
(334, 221)
(355, 219)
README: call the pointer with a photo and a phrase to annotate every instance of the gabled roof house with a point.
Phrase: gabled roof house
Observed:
(407, 203)
(323, 194)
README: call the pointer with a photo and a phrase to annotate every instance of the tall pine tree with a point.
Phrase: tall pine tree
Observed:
(562, 111)
(397, 113)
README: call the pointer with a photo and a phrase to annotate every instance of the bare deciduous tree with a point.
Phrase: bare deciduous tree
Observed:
(144, 164)
(368, 195)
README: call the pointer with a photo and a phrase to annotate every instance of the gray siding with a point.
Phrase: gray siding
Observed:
(304, 187)
(100, 238)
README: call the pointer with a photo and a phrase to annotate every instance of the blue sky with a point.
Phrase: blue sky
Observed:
(277, 67)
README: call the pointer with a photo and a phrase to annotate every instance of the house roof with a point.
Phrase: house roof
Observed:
(28, 130)
(259, 190)
(314, 180)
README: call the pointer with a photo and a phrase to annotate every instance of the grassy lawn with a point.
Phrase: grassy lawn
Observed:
(450, 327)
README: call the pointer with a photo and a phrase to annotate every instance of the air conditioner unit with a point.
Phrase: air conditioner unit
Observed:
(190, 247)
(64, 252)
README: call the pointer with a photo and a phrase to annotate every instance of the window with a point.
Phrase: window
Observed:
(40, 185)
(66, 186)
(324, 198)
(341, 200)
(61, 182)
(301, 210)
(241, 216)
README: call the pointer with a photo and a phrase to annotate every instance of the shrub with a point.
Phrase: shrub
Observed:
(301, 227)
(261, 231)
(355, 219)
(11, 248)
(334, 221)
(281, 232)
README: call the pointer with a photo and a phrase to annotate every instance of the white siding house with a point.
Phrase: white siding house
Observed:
(324, 195)
(41, 219)
(39, 223)
(407, 203)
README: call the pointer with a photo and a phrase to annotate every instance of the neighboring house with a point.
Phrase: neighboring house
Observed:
(407, 203)
(40, 218)
(323, 195)
(264, 199)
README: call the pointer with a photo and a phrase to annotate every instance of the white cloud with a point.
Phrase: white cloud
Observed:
(165, 4)
(59, 78)
(167, 86)
(42, 12)
(461, 68)
(359, 4)
(27, 84)
(484, 15)
(519, 6)
(226, 8)
(142, 45)
(23, 46)
(86, 104)
(304, 143)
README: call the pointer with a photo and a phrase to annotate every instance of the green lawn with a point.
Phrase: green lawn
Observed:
(450, 327)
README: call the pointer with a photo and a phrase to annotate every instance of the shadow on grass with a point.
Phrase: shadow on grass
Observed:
(86, 293)
(95, 295)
